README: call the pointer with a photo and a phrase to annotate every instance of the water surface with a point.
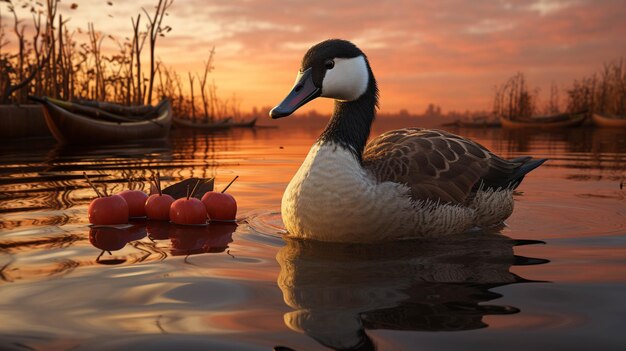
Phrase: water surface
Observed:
(553, 278)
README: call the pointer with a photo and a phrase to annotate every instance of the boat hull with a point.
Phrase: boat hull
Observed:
(607, 122)
(71, 128)
(185, 123)
(572, 121)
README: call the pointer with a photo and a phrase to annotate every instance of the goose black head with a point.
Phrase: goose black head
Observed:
(334, 69)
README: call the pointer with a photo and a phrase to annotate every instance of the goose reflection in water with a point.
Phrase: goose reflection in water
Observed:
(337, 291)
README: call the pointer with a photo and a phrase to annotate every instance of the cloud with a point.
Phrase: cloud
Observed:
(546, 7)
(449, 52)
(490, 26)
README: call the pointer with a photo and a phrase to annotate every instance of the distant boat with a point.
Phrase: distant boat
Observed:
(75, 123)
(477, 122)
(221, 124)
(608, 122)
(565, 120)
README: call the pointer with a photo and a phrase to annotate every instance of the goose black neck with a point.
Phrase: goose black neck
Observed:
(352, 120)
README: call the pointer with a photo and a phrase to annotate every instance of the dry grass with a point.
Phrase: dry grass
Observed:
(513, 99)
(52, 62)
(611, 90)
(604, 92)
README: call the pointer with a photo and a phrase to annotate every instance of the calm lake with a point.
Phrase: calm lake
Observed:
(553, 279)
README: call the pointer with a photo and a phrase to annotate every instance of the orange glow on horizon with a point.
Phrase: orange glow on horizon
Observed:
(451, 54)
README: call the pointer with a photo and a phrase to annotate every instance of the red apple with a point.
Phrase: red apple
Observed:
(220, 206)
(136, 200)
(188, 211)
(158, 207)
(108, 210)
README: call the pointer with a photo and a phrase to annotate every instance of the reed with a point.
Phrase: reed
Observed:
(53, 62)
(513, 100)
(581, 95)
(603, 92)
(611, 90)
(553, 105)
(202, 80)
(155, 30)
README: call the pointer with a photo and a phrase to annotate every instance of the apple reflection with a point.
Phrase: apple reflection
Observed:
(158, 230)
(109, 238)
(193, 240)
(337, 291)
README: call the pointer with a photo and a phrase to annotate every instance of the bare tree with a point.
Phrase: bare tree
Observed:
(139, 39)
(155, 30)
(193, 102)
(48, 60)
(202, 80)
(96, 39)
(513, 100)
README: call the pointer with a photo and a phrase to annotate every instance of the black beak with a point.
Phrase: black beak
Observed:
(303, 91)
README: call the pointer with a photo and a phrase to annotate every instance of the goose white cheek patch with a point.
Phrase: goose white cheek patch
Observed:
(347, 81)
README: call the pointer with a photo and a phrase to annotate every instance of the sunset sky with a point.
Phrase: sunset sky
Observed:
(451, 53)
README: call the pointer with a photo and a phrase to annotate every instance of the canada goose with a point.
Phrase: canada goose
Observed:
(405, 183)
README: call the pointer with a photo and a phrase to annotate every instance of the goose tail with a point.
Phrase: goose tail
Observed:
(528, 164)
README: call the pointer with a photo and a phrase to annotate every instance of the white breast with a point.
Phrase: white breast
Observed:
(332, 198)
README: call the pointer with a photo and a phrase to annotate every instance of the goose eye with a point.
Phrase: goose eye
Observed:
(329, 64)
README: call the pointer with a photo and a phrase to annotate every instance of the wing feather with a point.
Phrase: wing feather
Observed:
(435, 165)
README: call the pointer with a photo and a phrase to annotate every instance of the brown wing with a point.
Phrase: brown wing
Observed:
(434, 164)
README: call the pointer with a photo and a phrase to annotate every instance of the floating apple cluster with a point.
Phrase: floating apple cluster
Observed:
(117, 209)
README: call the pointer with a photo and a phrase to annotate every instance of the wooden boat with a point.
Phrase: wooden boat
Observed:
(120, 110)
(222, 124)
(70, 123)
(608, 122)
(251, 123)
(544, 122)
(189, 123)
(474, 123)
(480, 124)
